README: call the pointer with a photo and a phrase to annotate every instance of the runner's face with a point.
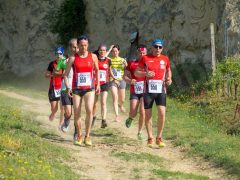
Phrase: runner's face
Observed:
(74, 47)
(115, 52)
(142, 53)
(102, 51)
(157, 49)
(59, 55)
(83, 46)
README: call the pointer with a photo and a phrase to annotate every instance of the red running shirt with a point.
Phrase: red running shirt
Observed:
(138, 88)
(55, 82)
(159, 65)
(104, 66)
(83, 72)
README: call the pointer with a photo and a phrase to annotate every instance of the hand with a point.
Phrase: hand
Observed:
(168, 81)
(97, 90)
(124, 62)
(116, 82)
(69, 92)
(150, 74)
(133, 81)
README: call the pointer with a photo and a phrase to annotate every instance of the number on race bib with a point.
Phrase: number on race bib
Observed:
(155, 86)
(138, 87)
(102, 75)
(84, 79)
(117, 73)
(57, 92)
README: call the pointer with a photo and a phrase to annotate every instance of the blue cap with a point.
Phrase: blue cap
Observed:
(59, 50)
(157, 41)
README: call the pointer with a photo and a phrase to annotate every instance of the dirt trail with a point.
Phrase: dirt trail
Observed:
(97, 163)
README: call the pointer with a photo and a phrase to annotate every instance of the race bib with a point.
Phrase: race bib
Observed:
(102, 75)
(84, 79)
(155, 86)
(138, 87)
(117, 73)
(57, 92)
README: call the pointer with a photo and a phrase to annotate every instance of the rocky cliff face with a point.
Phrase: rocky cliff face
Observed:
(26, 43)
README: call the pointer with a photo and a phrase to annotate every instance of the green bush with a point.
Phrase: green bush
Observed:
(69, 20)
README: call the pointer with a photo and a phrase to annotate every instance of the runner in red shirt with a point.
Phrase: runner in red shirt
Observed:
(104, 64)
(54, 92)
(158, 76)
(136, 91)
(84, 63)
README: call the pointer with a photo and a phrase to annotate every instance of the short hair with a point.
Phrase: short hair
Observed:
(82, 37)
(102, 45)
(71, 41)
(116, 46)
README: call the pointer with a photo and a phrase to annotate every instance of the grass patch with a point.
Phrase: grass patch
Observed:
(24, 154)
(112, 136)
(34, 86)
(164, 174)
(140, 157)
(157, 162)
(199, 136)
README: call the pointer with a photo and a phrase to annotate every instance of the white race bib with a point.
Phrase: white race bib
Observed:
(117, 73)
(84, 79)
(57, 92)
(155, 86)
(138, 87)
(103, 75)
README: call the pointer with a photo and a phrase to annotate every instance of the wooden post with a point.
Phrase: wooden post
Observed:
(213, 47)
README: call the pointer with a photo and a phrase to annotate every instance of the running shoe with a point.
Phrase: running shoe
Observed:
(87, 141)
(65, 125)
(140, 136)
(104, 124)
(160, 143)
(78, 141)
(93, 120)
(128, 122)
(150, 142)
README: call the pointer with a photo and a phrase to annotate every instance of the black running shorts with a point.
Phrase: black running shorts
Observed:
(149, 98)
(135, 96)
(65, 99)
(104, 87)
(51, 96)
(81, 92)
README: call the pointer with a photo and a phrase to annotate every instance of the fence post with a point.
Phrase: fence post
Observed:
(213, 47)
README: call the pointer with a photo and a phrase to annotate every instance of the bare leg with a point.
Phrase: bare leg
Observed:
(121, 95)
(104, 95)
(95, 105)
(54, 109)
(114, 91)
(61, 114)
(89, 101)
(142, 116)
(77, 113)
(148, 122)
(161, 120)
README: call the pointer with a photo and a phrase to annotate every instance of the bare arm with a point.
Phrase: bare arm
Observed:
(48, 74)
(96, 69)
(65, 74)
(140, 73)
(108, 52)
(127, 77)
(168, 77)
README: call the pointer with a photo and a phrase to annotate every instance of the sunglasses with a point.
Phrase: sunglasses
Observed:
(157, 47)
(59, 54)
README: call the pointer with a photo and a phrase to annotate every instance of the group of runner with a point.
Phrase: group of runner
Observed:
(86, 76)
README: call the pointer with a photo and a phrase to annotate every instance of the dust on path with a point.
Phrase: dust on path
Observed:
(96, 162)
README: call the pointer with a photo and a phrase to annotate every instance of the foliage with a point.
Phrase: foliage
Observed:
(69, 20)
